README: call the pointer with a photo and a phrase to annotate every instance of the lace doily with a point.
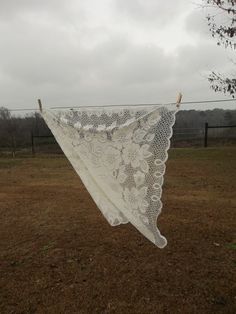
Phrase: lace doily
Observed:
(119, 154)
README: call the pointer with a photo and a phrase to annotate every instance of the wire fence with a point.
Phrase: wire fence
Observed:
(29, 134)
(182, 137)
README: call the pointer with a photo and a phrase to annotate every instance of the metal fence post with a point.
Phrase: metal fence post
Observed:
(206, 134)
(13, 142)
(32, 144)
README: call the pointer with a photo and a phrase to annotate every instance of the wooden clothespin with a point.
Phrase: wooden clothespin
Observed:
(179, 100)
(40, 105)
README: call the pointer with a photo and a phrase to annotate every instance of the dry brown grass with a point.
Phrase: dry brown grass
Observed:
(59, 255)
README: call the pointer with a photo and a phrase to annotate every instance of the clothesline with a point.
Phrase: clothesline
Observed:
(128, 105)
(167, 104)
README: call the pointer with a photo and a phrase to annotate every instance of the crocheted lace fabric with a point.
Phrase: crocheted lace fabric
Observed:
(119, 154)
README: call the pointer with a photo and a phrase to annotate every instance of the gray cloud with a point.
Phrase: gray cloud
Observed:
(196, 24)
(12, 9)
(155, 12)
(66, 54)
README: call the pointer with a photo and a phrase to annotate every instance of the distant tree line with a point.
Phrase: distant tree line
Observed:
(196, 119)
(16, 131)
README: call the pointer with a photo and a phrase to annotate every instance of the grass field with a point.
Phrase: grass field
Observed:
(59, 255)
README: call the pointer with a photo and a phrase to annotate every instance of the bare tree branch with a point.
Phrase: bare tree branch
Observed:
(225, 33)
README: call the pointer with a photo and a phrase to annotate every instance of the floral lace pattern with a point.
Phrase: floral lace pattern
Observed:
(120, 155)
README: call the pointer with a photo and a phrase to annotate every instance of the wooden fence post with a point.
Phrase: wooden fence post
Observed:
(206, 134)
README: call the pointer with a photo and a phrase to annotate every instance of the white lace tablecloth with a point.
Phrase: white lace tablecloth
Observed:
(119, 154)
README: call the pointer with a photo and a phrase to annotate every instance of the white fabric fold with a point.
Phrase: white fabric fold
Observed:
(119, 154)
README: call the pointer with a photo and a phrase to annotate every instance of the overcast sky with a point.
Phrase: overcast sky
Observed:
(90, 52)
